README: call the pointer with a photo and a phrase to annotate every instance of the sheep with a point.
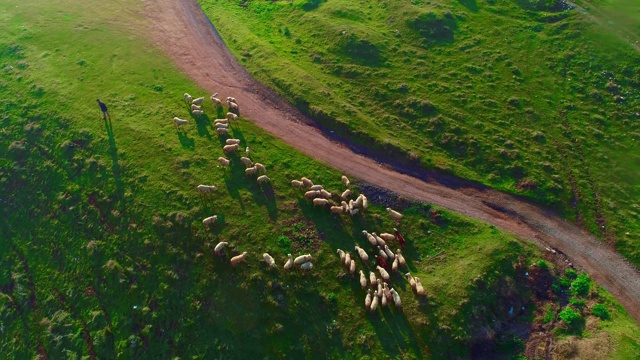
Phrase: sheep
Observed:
(387, 237)
(233, 107)
(231, 99)
(320, 202)
(238, 259)
(316, 187)
(396, 216)
(358, 202)
(224, 161)
(420, 291)
(232, 141)
(367, 300)
(308, 183)
(216, 101)
(400, 238)
(179, 122)
(412, 281)
(260, 168)
(379, 240)
(337, 210)
(310, 195)
(379, 284)
(219, 249)
(347, 259)
(383, 301)
(206, 188)
(345, 181)
(394, 265)
(381, 261)
(197, 113)
(372, 240)
(262, 179)
(389, 253)
(250, 171)
(374, 302)
(230, 148)
(196, 107)
(232, 116)
(246, 161)
(210, 220)
(372, 279)
(247, 151)
(269, 260)
(197, 101)
(325, 194)
(353, 211)
(383, 273)
(188, 98)
(365, 202)
(342, 254)
(345, 194)
(221, 121)
(222, 131)
(383, 254)
(396, 299)
(352, 267)
(351, 205)
(221, 126)
(386, 291)
(302, 259)
(289, 264)
(345, 206)
(400, 257)
(363, 254)
(296, 183)
(363, 280)
(306, 266)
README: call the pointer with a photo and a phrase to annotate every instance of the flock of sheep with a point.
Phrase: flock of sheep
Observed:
(378, 290)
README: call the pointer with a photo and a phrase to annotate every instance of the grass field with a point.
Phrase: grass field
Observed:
(522, 96)
(103, 253)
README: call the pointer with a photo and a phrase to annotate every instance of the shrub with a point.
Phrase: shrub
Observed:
(581, 285)
(570, 316)
(571, 274)
(600, 311)
(543, 265)
(434, 27)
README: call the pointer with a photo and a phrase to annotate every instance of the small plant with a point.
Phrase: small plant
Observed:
(579, 303)
(571, 274)
(600, 311)
(548, 314)
(543, 265)
(581, 285)
(570, 316)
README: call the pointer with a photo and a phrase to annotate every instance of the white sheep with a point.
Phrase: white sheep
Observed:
(306, 266)
(362, 253)
(206, 188)
(231, 99)
(347, 260)
(342, 254)
(316, 187)
(379, 241)
(358, 202)
(222, 131)
(363, 280)
(345, 181)
(396, 216)
(396, 299)
(289, 264)
(388, 237)
(247, 151)
(221, 126)
(312, 194)
(383, 254)
(238, 259)
(195, 107)
(383, 273)
(260, 168)
(365, 202)
(262, 179)
(325, 194)
(188, 98)
(269, 260)
(224, 161)
(368, 299)
(394, 265)
(389, 253)
(345, 194)
(221, 121)
(383, 301)
(216, 101)
(320, 202)
(374, 302)
(210, 220)
(296, 183)
(230, 148)
(337, 210)
(352, 267)
(412, 281)
(308, 183)
(197, 101)
(372, 279)
(250, 171)
(353, 211)
(233, 107)
(372, 240)
(232, 141)
(302, 259)
(345, 206)
(400, 257)
(386, 291)
(197, 113)
(232, 116)
(219, 249)
(179, 122)
(419, 288)
(379, 291)
(246, 161)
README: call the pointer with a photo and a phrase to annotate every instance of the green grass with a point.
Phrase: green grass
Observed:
(102, 250)
(493, 91)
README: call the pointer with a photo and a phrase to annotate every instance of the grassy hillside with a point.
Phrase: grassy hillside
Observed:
(103, 253)
(525, 96)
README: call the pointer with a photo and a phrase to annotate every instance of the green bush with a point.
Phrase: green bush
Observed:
(570, 316)
(543, 265)
(581, 285)
(571, 274)
(600, 311)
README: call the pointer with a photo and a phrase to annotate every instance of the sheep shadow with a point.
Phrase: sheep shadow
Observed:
(202, 125)
(185, 141)
(394, 332)
(266, 195)
(235, 172)
(116, 169)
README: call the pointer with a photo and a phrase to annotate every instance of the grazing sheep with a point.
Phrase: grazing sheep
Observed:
(379, 291)
(351, 204)
(224, 161)
(400, 257)
(387, 237)
(320, 202)
(289, 264)
(394, 265)
(345, 194)
(363, 254)
(219, 249)
(386, 291)
(372, 240)
(222, 131)
(221, 126)
(381, 261)
(396, 216)
(232, 141)
(363, 280)
(400, 238)
(233, 107)
(358, 202)
(231, 99)
(337, 210)
(308, 183)
(230, 148)
(216, 101)
(232, 116)
(342, 254)
(372, 279)
(316, 187)
(353, 211)
(383, 273)
(325, 194)
(389, 253)
(365, 202)
(188, 98)
(306, 266)
(262, 179)
(197, 113)
(247, 151)
(210, 220)
(412, 281)
(246, 161)
(269, 260)
(238, 259)
(419, 288)
(347, 259)
(379, 241)
(368, 299)
(296, 183)
(396, 299)
(374, 302)
(383, 301)
(197, 101)
(179, 122)
(221, 121)
(250, 171)
(352, 267)
(345, 206)
(195, 107)
(383, 254)
(312, 194)
(345, 181)
(260, 168)
(302, 259)
(206, 188)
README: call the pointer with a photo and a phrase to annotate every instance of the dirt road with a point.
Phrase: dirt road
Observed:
(188, 37)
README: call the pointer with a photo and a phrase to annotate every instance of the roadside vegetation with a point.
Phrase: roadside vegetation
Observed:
(537, 98)
(103, 252)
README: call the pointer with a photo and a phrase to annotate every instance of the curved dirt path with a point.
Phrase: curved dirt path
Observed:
(186, 34)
